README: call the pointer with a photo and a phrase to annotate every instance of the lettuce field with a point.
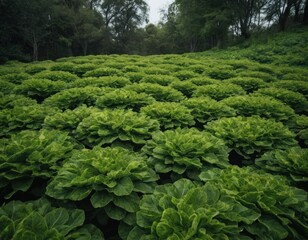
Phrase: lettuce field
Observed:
(195, 146)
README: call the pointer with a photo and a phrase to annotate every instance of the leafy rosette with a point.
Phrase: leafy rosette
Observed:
(30, 155)
(185, 210)
(122, 98)
(104, 71)
(201, 81)
(283, 209)
(6, 87)
(295, 100)
(292, 85)
(262, 106)
(291, 162)
(33, 69)
(63, 66)
(24, 117)
(110, 81)
(163, 80)
(16, 78)
(185, 74)
(219, 91)
(206, 109)
(119, 125)
(169, 114)
(160, 93)
(185, 87)
(251, 137)
(39, 220)
(135, 77)
(75, 97)
(56, 76)
(69, 119)
(114, 177)
(40, 88)
(185, 151)
(249, 84)
(12, 100)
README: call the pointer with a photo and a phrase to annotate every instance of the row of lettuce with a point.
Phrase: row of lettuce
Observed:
(161, 147)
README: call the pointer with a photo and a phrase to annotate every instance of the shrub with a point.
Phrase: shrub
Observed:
(169, 114)
(104, 71)
(6, 87)
(200, 81)
(12, 100)
(160, 93)
(252, 136)
(74, 97)
(266, 77)
(295, 100)
(204, 109)
(80, 69)
(15, 78)
(108, 126)
(135, 76)
(185, 74)
(40, 89)
(56, 76)
(185, 87)
(121, 98)
(30, 155)
(291, 162)
(23, 117)
(156, 71)
(295, 86)
(219, 91)
(113, 176)
(197, 68)
(39, 220)
(185, 210)
(163, 80)
(111, 81)
(131, 69)
(300, 127)
(185, 151)
(282, 209)
(262, 106)
(64, 66)
(248, 84)
(34, 69)
(220, 74)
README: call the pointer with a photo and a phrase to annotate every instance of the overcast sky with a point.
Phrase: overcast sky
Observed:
(155, 6)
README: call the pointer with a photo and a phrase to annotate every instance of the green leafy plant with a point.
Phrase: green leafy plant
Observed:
(24, 117)
(104, 71)
(291, 162)
(184, 210)
(122, 98)
(155, 70)
(295, 100)
(108, 126)
(283, 209)
(56, 76)
(249, 84)
(185, 151)
(160, 93)
(135, 77)
(169, 114)
(12, 100)
(201, 81)
(221, 74)
(185, 74)
(30, 155)
(263, 106)
(292, 85)
(15, 78)
(33, 69)
(266, 77)
(219, 91)
(163, 80)
(39, 220)
(109, 81)
(114, 176)
(185, 87)
(6, 87)
(252, 136)
(64, 66)
(205, 109)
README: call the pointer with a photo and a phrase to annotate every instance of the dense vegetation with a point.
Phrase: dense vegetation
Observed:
(208, 145)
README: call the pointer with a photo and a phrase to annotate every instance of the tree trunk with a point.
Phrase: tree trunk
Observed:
(284, 16)
(305, 18)
(85, 47)
(35, 48)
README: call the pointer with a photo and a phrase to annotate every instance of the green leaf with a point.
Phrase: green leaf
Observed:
(101, 199)
(114, 212)
(7, 227)
(124, 187)
(129, 203)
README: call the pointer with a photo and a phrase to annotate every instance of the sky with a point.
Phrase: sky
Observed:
(155, 6)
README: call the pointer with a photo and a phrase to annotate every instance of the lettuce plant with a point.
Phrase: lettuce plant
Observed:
(39, 220)
(12, 100)
(295, 100)
(262, 106)
(201, 81)
(33, 69)
(109, 126)
(221, 74)
(291, 162)
(205, 109)
(185, 210)
(135, 77)
(160, 93)
(252, 136)
(122, 98)
(219, 91)
(24, 117)
(169, 114)
(113, 176)
(40, 88)
(283, 209)
(249, 84)
(74, 97)
(15, 78)
(185, 151)
(156, 71)
(56, 76)
(185, 87)
(6, 87)
(63, 66)
(292, 85)
(103, 71)
(28, 155)
(163, 80)
(108, 81)
(185, 74)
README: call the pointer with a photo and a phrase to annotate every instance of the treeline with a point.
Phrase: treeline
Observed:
(49, 29)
